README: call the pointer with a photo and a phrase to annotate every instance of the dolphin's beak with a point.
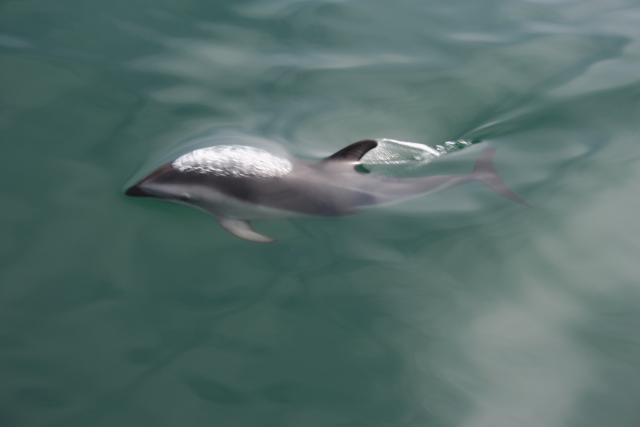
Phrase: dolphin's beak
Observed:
(148, 186)
(137, 190)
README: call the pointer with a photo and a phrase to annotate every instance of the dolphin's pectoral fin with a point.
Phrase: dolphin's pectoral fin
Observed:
(242, 229)
(353, 152)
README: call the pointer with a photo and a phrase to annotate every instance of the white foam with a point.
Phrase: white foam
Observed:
(233, 160)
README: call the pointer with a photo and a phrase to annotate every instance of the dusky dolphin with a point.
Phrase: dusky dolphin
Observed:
(239, 183)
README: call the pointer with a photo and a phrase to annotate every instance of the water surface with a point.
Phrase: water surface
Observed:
(456, 309)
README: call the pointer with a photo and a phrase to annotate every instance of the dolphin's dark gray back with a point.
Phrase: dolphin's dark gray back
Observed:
(329, 187)
(304, 191)
(310, 189)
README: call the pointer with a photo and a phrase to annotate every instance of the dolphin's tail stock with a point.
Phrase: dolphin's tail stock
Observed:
(485, 172)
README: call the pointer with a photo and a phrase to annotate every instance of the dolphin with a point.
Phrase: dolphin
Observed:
(240, 183)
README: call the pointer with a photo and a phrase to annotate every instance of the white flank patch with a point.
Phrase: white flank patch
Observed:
(233, 160)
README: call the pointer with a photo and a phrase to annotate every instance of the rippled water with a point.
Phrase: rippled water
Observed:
(456, 309)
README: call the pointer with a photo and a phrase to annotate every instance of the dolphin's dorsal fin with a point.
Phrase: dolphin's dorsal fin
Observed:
(353, 152)
(243, 230)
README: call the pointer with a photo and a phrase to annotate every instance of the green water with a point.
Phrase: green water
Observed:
(456, 309)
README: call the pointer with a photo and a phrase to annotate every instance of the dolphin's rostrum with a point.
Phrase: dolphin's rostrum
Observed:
(239, 183)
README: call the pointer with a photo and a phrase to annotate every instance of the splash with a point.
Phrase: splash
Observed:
(391, 152)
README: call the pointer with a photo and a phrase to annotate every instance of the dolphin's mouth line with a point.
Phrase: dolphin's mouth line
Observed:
(138, 190)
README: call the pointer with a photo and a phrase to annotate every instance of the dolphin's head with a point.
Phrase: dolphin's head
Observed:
(185, 178)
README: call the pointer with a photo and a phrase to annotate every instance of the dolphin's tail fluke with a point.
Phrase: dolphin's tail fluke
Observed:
(485, 172)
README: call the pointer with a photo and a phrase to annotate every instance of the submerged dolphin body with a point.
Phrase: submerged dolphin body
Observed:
(238, 183)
